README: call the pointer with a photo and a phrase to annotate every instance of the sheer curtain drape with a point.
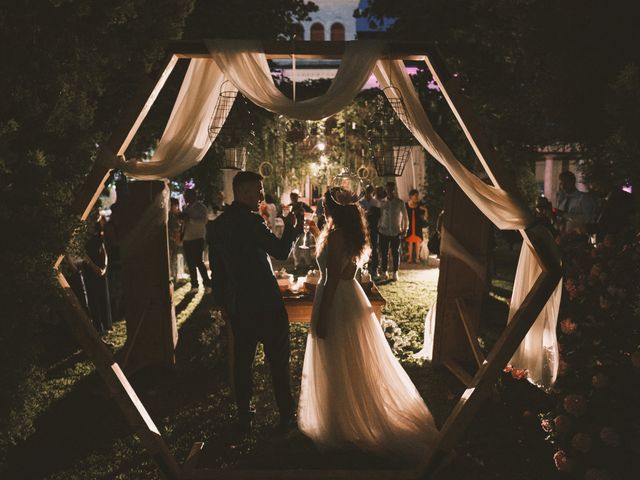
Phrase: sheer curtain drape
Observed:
(536, 351)
(186, 137)
(246, 67)
(186, 140)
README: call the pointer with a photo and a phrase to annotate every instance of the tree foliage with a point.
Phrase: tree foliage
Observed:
(538, 71)
(69, 69)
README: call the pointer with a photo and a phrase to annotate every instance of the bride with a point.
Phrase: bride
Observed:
(354, 392)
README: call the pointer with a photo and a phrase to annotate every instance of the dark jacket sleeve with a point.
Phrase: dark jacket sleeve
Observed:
(279, 248)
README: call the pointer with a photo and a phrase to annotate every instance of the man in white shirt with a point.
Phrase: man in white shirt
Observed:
(195, 223)
(393, 225)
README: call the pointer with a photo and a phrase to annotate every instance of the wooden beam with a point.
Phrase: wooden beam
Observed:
(307, 50)
(505, 347)
(469, 330)
(474, 131)
(80, 325)
(301, 474)
(460, 373)
(117, 383)
(88, 193)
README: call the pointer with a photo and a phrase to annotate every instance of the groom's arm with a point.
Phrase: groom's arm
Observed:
(279, 248)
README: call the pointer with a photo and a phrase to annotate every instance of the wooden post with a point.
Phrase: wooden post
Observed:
(141, 228)
(117, 383)
(79, 324)
(542, 243)
(464, 227)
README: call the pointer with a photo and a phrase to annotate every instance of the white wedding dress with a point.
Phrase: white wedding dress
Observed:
(354, 392)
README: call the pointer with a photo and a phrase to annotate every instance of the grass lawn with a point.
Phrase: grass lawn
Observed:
(80, 434)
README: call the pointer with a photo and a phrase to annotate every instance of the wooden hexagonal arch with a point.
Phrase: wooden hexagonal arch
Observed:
(479, 387)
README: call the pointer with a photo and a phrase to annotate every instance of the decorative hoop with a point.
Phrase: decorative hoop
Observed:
(266, 169)
(363, 172)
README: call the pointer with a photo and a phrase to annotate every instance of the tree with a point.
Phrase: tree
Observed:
(69, 68)
(537, 71)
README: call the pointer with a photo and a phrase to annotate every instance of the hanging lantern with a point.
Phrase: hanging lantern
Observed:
(235, 158)
(230, 130)
(394, 97)
(224, 103)
(391, 155)
(392, 150)
(346, 188)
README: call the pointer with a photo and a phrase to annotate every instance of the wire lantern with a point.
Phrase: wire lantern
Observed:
(226, 99)
(394, 97)
(231, 129)
(235, 158)
(390, 156)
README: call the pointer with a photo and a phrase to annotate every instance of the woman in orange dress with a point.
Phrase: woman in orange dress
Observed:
(418, 216)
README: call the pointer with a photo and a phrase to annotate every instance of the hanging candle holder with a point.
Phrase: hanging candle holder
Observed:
(230, 130)
(390, 156)
(394, 97)
(235, 158)
(226, 99)
(346, 188)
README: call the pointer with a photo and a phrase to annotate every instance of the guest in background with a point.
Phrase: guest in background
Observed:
(434, 239)
(321, 219)
(269, 211)
(576, 209)
(94, 276)
(298, 208)
(174, 228)
(371, 206)
(218, 206)
(392, 226)
(194, 217)
(418, 216)
(616, 211)
(544, 214)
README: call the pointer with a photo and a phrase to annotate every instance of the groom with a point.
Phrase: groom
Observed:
(245, 286)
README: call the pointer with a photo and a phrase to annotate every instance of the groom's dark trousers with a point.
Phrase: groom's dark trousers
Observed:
(272, 329)
(244, 285)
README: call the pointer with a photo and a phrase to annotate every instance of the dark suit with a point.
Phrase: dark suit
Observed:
(244, 284)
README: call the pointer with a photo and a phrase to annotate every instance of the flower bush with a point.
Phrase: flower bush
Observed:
(595, 426)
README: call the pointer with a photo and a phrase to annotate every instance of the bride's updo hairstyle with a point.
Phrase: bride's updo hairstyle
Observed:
(350, 220)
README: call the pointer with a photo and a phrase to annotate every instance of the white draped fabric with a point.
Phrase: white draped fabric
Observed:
(538, 352)
(186, 140)
(246, 67)
(186, 137)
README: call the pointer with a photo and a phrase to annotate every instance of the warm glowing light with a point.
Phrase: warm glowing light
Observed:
(321, 146)
(323, 159)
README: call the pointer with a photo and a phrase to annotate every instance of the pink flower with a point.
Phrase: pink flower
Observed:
(546, 425)
(581, 442)
(596, 474)
(610, 437)
(562, 461)
(576, 405)
(519, 373)
(599, 380)
(562, 423)
(568, 326)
